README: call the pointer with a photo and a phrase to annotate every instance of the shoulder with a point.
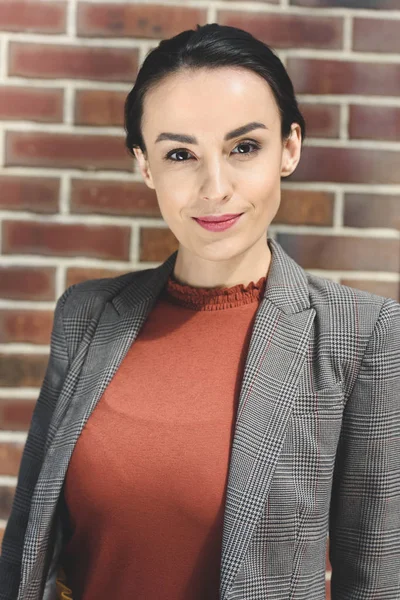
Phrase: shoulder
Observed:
(88, 298)
(80, 307)
(341, 302)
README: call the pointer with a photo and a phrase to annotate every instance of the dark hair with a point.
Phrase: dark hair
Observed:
(210, 46)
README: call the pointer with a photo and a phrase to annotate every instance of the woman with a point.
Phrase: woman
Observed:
(202, 425)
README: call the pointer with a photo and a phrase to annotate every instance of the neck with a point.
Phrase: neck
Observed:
(197, 271)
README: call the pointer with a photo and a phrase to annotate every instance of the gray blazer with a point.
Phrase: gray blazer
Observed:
(316, 445)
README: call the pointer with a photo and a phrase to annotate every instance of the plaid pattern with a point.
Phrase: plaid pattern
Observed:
(316, 444)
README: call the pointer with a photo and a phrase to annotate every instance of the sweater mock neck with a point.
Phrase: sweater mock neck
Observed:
(203, 298)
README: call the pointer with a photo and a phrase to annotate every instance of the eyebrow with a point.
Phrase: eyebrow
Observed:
(190, 139)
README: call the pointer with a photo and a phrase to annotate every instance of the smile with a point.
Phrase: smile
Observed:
(218, 225)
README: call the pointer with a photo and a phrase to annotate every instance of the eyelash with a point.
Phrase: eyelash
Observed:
(256, 145)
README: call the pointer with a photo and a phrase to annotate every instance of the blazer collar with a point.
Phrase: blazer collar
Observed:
(286, 284)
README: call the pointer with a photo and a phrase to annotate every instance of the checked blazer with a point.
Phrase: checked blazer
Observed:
(316, 447)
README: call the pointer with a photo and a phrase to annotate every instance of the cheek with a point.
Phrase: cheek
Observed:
(171, 205)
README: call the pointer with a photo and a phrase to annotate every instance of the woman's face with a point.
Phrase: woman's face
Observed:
(216, 172)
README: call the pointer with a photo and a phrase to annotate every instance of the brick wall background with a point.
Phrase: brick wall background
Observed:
(73, 205)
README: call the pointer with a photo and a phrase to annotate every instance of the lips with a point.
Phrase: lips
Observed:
(217, 219)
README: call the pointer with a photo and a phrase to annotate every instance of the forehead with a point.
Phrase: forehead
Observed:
(210, 99)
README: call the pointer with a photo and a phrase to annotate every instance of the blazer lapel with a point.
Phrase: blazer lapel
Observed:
(275, 359)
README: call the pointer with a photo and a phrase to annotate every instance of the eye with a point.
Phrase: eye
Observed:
(244, 143)
(248, 143)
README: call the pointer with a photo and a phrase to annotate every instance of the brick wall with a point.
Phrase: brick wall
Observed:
(72, 203)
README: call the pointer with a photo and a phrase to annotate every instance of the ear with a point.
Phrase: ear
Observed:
(144, 167)
(291, 151)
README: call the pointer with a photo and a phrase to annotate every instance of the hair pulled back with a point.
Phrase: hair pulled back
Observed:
(210, 46)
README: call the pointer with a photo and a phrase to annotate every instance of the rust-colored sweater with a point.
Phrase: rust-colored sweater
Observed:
(145, 487)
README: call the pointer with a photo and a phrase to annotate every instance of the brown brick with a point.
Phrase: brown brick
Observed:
(67, 150)
(16, 414)
(27, 283)
(99, 107)
(372, 210)
(78, 274)
(304, 207)
(22, 370)
(322, 120)
(10, 457)
(372, 36)
(6, 499)
(35, 194)
(288, 31)
(342, 252)
(130, 198)
(388, 289)
(320, 76)
(375, 122)
(31, 104)
(27, 326)
(348, 165)
(77, 62)
(156, 244)
(56, 239)
(136, 20)
(374, 4)
(32, 16)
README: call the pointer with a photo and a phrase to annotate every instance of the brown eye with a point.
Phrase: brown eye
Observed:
(176, 151)
(248, 144)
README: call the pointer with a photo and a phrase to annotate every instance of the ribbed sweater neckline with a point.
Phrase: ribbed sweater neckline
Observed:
(203, 298)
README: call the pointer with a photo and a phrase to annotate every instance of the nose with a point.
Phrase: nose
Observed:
(216, 184)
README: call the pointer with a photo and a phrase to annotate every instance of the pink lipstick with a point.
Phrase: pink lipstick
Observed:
(219, 223)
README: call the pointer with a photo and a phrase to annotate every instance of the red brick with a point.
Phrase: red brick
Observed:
(129, 198)
(328, 589)
(374, 122)
(156, 244)
(35, 194)
(342, 252)
(78, 274)
(288, 31)
(304, 207)
(6, 499)
(77, 62)
(99, 107)
(348, 165)
(22, 370)
(67, 150)
(327, 561)
(388, 289)
(10, 457)
(16, 414)
(136, 20)
(372, 210)
(56, 239)
(320, 76)
(372, 36)
(32, 16)
(27, 326)
(322, 120)
(31, 104)
(374, 4)
(27, 283)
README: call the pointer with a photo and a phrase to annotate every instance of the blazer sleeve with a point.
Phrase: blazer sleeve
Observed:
(32, 457)
(364, 526)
